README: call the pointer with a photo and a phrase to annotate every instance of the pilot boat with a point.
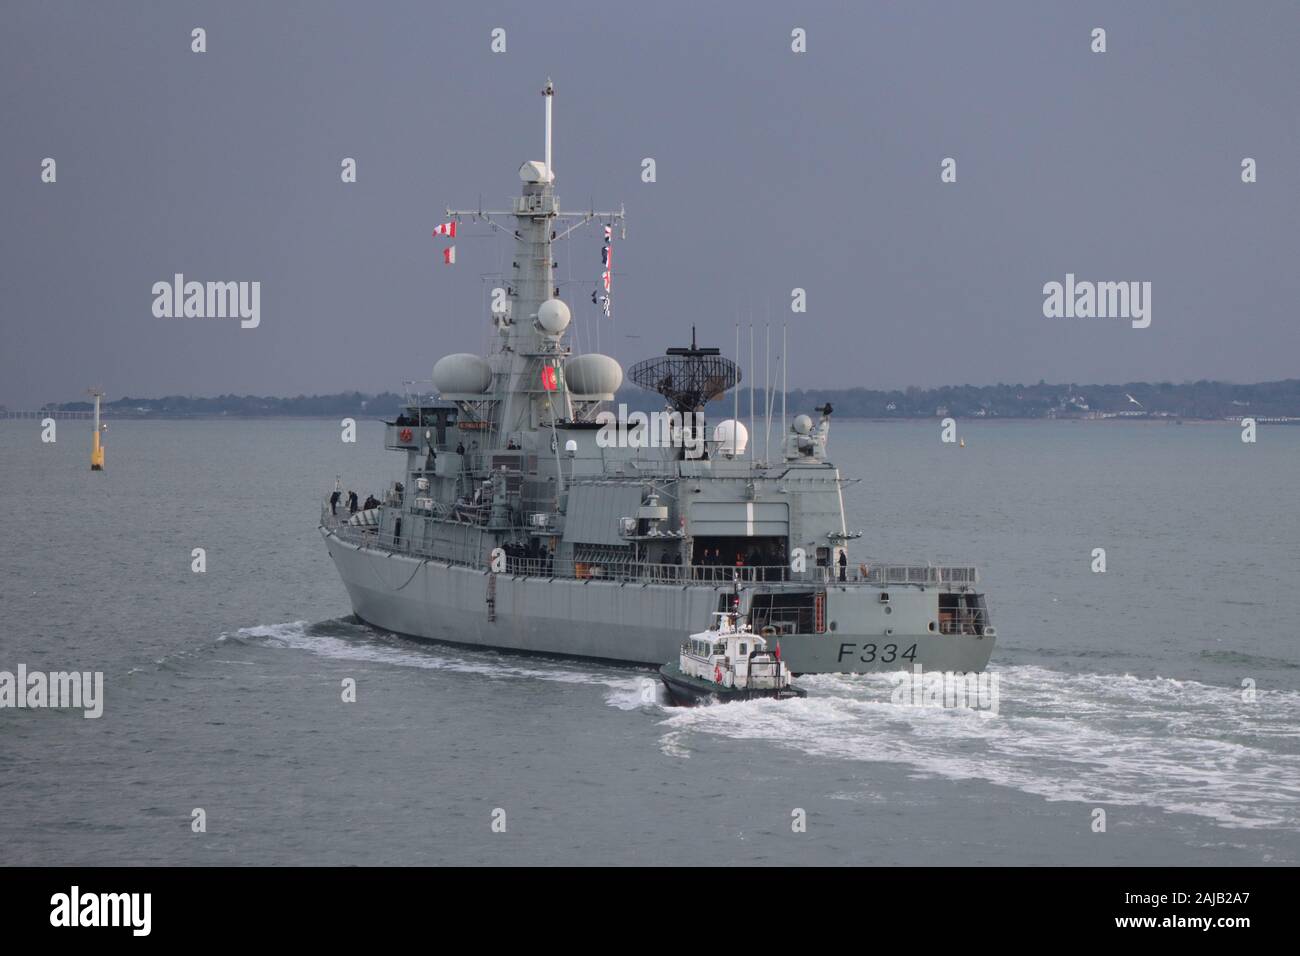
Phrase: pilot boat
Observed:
(727, 662)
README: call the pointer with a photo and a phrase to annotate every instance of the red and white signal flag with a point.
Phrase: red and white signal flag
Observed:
(607, 262)
(447, 229)
(449, 255)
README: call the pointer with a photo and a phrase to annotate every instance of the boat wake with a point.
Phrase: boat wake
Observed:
(346, 640)
(1179, 746)
(1175, 745)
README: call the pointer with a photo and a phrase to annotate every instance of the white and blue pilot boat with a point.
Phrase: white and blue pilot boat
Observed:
(727, 662)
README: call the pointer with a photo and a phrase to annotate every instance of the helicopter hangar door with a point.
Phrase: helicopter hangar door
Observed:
(740, 519)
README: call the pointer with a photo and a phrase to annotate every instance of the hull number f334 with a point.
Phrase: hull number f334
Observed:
(871, 654)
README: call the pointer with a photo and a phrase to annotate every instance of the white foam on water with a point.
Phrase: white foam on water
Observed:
(1101, 739)
(1177, 745)
(625, 688)
(634, 694)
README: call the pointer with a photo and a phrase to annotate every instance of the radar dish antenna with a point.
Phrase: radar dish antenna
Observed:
(688, 377)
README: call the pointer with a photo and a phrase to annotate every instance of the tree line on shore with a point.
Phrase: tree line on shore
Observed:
(1194, 400)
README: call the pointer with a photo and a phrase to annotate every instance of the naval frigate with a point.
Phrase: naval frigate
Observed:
(527, 522)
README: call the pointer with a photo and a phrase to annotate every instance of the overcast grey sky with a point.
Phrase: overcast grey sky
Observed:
(775, 170)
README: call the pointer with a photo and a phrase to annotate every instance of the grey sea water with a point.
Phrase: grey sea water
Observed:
(1122, 691)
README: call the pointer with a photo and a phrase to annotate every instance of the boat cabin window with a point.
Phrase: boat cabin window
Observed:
(743, 651)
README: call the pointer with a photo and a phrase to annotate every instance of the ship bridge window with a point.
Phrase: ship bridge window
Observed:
(743, 650)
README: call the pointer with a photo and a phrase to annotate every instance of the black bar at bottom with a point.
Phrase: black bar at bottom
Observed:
(214, 905)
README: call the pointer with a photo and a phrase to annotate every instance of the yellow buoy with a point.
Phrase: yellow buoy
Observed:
(97, 450)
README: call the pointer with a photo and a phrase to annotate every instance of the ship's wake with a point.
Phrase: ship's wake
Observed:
(344, 639)
(1180, 746)
(1101, 739)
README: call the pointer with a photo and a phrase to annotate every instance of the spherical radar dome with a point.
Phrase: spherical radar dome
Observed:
(593, 374)
(802, 424)
(553, 316)
(732, 437)
(462, 373)
(534, 171)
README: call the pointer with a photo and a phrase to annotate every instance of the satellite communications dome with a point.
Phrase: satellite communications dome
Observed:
(553, 316)
(534, 171)
(802, 424)
(593, 374)
(462, 373)
(732, 437)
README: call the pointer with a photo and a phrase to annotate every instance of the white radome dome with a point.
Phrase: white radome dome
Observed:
(553, 316)
(732, 437)
(534, 171)
(462, 373)
(802, 424)
(593, 374)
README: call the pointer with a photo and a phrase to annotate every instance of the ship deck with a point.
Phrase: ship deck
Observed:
(866, 574)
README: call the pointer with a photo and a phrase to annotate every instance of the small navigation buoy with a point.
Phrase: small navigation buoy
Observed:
(962, 443)
(97, 450)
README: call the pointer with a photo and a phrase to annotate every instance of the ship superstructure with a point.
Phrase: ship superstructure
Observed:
(530, 518)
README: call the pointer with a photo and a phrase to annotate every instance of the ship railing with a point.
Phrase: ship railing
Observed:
(643, 572)
(341, 523)
(931, 574)
(332, 521)
(962, 621)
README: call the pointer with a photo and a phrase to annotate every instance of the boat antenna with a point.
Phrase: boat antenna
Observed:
(785, 362)
(735, 395)
(752, 431)
(767, 397)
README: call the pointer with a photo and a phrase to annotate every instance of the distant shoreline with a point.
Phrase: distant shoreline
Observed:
(895, 420)
(1204, 401)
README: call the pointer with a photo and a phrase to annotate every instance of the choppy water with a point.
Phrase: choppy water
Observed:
(1121, 690)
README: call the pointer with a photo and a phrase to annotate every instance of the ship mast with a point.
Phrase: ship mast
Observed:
(549, 92)
(522, 399)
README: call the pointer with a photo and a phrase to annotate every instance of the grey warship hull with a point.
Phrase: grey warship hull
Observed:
(627, 622)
